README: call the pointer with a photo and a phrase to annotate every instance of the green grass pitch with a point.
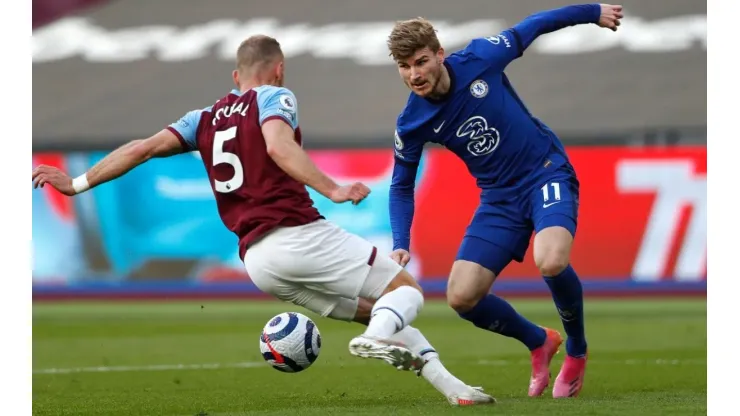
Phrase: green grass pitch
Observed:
(647, 357)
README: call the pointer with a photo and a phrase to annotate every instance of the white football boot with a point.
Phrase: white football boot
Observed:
(394, 353)
(470, 397)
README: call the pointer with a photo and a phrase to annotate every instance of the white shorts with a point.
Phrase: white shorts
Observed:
(319, 266)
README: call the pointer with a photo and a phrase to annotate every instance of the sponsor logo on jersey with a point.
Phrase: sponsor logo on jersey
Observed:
(497, 40)
(482, 139)
(397, 141)
(287, 114)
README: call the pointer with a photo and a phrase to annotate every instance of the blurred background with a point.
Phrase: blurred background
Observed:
(630, 107)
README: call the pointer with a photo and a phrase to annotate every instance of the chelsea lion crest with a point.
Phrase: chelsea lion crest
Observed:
(479, 88)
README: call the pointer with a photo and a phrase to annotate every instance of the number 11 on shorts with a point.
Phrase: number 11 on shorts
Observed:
(555, 190)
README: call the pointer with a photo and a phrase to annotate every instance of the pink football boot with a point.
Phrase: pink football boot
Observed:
(541, 358)
(570, 379)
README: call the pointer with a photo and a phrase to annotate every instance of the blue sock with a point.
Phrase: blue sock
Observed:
(497, 315)
(568, 296)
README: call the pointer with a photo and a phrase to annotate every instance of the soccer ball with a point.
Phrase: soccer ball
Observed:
(290, 342)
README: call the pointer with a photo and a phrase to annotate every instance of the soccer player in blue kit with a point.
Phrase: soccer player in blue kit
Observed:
(466, 103)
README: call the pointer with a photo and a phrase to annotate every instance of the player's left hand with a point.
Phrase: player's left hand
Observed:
(355, 192)
(401, 256)
(611, 16)
(44, 174)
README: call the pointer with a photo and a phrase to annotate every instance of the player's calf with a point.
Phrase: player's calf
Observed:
(455, 390)
(552, 255)
(467, 294)
(398, 305)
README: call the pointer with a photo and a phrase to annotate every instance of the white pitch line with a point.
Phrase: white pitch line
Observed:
(157, 367)
(258, 364)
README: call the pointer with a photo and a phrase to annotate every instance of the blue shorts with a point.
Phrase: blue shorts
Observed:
(500, 232)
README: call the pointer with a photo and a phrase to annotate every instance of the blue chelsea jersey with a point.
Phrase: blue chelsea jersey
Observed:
(482, 120)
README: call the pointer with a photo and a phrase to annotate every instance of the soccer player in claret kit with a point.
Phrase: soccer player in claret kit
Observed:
(250, 143)
(466, 103)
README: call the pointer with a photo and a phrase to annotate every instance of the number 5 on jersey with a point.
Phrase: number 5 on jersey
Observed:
(220, 156)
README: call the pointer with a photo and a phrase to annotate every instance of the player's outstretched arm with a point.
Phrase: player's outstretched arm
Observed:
(283, 149)
(512, 43)
(604, 15)
(112, 166)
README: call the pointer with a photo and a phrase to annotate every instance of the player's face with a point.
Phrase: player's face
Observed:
(422, 71)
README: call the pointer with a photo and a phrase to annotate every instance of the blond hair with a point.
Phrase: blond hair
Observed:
(409, 36)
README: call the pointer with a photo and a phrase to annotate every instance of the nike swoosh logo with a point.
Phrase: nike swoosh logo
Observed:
(440, 127)
(550, 204)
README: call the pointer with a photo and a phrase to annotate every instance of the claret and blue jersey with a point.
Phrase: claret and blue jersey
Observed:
(271, 101)
(253, 194)
(484, 122)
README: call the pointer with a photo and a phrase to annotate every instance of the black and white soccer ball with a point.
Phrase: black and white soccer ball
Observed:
(290, 342)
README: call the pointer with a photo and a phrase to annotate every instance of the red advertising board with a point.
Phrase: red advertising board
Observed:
(642, 226)
(642, 215)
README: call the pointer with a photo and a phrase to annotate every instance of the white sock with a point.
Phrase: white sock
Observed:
(393, 311)
(441, 378)
(434, 371)
(416, 342)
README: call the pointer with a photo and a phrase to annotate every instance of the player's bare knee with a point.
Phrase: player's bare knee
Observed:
(468, 284)
(462, 297)
(552, 250)
(462, 302)
(552, 259)
(552, 264)
(403, 278)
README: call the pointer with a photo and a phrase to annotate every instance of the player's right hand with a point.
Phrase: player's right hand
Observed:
(355, 192)
(610, 16)
(401, 257)
(44, 174)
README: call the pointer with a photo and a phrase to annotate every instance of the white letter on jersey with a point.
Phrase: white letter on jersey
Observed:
(676, 185)
(235, 108)
(219, 157)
